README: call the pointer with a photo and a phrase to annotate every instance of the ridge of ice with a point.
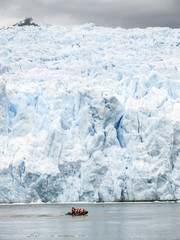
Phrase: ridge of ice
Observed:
(89, 114)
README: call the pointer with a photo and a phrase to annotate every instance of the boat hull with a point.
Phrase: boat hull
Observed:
(77, 214)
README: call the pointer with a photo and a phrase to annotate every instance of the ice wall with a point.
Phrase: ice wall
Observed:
(3, 109)
(89, 114)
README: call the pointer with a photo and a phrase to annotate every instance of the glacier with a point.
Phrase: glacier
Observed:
(89, 113)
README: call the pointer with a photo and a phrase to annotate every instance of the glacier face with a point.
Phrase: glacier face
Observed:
(89, 114)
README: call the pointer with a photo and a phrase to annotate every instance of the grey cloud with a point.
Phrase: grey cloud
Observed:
(111, 13)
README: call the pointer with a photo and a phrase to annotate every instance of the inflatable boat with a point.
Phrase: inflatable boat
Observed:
(77, 214)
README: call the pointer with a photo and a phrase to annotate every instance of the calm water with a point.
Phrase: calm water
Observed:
(104, 221)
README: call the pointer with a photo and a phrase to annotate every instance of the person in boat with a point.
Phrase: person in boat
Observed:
(84, 211)
(73, 210)
(80, 211)
(77, 211)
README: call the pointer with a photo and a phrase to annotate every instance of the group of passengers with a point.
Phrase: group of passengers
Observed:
(78, 211)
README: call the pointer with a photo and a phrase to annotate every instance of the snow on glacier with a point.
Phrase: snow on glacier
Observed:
(89, 114)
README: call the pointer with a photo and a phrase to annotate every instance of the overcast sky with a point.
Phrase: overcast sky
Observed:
(109, 13)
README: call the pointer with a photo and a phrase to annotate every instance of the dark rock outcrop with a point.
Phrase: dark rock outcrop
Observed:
(26, 22)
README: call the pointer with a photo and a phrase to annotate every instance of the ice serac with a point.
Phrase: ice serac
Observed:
(3, 109)
(89, 114)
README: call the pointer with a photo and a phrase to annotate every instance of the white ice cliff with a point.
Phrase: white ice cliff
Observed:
(89, 114)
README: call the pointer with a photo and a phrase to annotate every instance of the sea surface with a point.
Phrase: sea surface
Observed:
(124, 221)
